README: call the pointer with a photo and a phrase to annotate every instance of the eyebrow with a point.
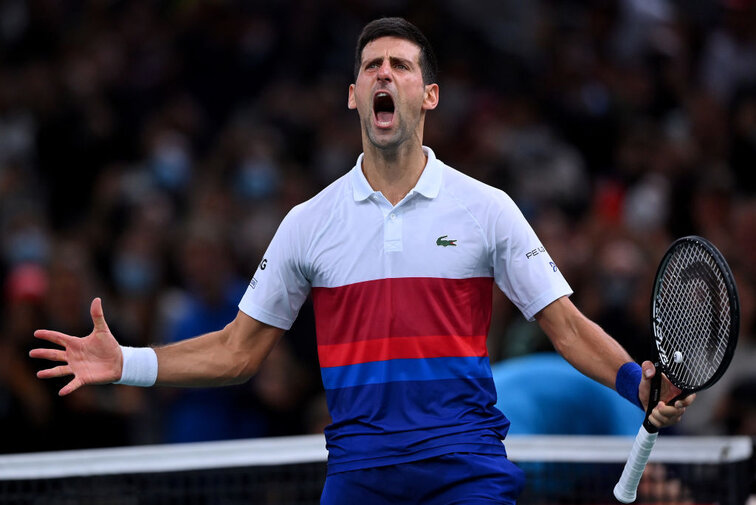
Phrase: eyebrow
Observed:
(392, 59)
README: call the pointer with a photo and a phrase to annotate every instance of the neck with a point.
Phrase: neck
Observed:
(393, 172)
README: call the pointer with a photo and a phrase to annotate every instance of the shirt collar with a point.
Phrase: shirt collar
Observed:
(428, 185)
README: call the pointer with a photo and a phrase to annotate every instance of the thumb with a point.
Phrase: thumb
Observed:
(98, 317)
(649, 370)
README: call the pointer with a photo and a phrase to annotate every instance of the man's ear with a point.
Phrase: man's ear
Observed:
(351, 101)
(430, 101)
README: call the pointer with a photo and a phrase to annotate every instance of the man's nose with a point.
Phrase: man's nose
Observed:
(384, 71)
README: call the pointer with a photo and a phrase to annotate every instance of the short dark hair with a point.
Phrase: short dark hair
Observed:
(403, 29)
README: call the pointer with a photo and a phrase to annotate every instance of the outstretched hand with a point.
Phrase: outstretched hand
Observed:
(663, 415)
(94, 359)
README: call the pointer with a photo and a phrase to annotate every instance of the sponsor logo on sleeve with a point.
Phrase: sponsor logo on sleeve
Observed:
(535, 252)
(253, 283)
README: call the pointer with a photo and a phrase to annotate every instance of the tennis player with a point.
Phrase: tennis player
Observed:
(400, 255)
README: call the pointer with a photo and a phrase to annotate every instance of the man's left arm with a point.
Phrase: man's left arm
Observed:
(597, 355)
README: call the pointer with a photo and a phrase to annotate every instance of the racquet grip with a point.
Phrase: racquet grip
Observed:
(627, 486)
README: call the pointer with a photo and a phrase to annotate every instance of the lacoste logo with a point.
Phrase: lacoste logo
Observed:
(443, 242)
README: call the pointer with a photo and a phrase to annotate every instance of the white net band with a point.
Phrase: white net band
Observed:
(311, 448)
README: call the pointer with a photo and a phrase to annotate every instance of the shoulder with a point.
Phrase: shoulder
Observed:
(321, 206)
(304, 222)
(479, 198)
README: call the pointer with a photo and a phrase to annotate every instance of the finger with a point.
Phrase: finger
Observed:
(57, 371)
(98, 316)
(665, 415)
(669, 411)
(70, 387)
(654, 417)
(55, 337)
(687, 401)
(649, 370)
(680, 404)
(663, 422)
(50, 354)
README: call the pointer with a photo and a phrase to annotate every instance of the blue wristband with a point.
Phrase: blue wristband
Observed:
(627, 382)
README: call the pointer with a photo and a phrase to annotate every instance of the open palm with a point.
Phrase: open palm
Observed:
(94, 359)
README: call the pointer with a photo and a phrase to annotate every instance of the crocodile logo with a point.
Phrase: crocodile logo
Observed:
(443, 242)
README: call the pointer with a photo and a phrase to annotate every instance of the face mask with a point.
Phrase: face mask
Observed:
(171, 166)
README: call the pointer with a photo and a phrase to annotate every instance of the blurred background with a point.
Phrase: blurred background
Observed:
(149, 149)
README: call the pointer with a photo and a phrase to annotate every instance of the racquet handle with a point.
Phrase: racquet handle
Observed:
(627, 486)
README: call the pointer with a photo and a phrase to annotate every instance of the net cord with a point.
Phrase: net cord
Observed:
(311, 448)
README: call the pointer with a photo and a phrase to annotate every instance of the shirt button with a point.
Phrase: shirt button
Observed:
(393, 216)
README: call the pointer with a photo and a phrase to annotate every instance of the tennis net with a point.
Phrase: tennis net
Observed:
(291, 471)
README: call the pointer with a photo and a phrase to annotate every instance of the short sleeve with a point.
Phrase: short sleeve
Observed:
(523, 269)
(279, 287)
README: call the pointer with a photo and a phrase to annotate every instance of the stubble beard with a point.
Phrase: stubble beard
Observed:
(389, 145)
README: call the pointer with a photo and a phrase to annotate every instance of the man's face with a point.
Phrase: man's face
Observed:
(389, 94)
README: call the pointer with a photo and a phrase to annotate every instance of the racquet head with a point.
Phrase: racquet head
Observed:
(695, 315)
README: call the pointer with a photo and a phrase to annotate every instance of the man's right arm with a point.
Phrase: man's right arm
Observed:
(227, 356)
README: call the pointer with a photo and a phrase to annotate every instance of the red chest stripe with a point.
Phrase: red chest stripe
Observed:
(409, 317)
(382, 349)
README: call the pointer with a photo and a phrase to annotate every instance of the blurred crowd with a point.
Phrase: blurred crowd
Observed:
(148, 151)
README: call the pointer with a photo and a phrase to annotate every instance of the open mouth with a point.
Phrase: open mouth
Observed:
(383, 108)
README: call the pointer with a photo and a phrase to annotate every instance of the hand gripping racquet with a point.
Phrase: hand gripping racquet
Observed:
(695, 318)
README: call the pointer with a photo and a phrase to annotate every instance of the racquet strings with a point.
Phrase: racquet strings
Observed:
(692, 317)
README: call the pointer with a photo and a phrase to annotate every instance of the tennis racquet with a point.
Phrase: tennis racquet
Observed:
(695, 318)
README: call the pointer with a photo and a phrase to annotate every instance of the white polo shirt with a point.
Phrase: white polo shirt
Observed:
(402, 299)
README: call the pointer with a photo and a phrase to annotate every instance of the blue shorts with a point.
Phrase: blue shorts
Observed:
(457, 478)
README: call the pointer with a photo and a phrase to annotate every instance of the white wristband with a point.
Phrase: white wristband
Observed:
(140, 366)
